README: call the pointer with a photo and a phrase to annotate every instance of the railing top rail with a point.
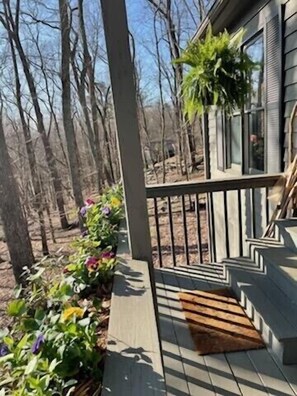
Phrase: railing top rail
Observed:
(209, 186)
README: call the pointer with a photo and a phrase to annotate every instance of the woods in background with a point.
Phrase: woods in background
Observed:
(57, 132)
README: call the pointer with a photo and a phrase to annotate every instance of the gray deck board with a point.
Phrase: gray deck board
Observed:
(246, 376)
(133, 365)
(270, 373)
(252, 373)
(195, 367)
(173, 367)
(220, 371)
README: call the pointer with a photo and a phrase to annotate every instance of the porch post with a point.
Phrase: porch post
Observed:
(124, 97)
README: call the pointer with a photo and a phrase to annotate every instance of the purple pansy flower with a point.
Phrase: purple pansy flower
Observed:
(106, 211)
(4, 350)
(91, 260)
(83, 211)
(38, 344)
(89, 202)
(108, 255)
(92, 263)
(84, 233)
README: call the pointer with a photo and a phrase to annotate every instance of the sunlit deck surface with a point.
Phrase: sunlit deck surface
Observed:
(251, 373)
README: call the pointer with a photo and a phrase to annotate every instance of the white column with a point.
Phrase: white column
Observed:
(124, 97)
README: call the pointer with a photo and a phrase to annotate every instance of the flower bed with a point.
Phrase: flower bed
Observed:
(53, 346)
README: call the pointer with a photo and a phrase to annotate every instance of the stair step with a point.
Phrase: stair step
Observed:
(270, 309)
(279, 263)
(287, 229)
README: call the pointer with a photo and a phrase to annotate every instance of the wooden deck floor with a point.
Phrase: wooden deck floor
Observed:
(249, 373)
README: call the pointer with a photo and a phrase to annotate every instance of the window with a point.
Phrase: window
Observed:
(234, 150)
(254, 108)
(245, 130)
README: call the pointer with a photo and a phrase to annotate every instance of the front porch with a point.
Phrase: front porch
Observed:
(255, 372)
(150, 349)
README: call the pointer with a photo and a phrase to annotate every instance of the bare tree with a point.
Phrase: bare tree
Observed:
(88, 65)
(66, 103)
(11, 24)
(38, 201)
(164, 9)
(14, 222)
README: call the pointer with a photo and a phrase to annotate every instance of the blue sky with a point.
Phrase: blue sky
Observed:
(140, 19)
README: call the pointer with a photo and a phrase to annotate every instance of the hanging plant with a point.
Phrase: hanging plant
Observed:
(217, 75)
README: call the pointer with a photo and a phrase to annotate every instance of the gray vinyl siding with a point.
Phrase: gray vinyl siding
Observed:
(253, 22)
(290, 72)
(263, 16)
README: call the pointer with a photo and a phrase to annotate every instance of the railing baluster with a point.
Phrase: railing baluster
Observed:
(213, 231)
(171, 231)
(185, 229)
(226, 224)
(198, 222)
(240, 222)
(192, 191)
(253, 214)
(158, 231)
(267, 205)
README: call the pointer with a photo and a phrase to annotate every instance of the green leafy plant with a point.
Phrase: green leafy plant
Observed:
(55, 353)
(217, 75)
(88, 273)
(51, 348)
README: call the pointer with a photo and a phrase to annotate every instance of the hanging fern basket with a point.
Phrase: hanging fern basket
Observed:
(219, 73)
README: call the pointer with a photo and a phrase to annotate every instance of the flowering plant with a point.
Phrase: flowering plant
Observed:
(52, 345)
(102, 219)
(53, 355)
(87, 273)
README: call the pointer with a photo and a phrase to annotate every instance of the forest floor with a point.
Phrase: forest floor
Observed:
(64, 238)
(61, 247)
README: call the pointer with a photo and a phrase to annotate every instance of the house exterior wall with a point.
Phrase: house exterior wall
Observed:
(253, 22)
(290, 70)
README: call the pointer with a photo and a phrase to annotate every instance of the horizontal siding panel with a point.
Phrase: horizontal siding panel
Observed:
(286, 155)
(291, 93)
(287, 123)
(288, 108)
(291, 59)
(290, 9)
(291, 42)
(294, 140)
(291, 25)
(291, 76)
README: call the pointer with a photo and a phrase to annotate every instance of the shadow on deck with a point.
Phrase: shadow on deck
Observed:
(255, 372)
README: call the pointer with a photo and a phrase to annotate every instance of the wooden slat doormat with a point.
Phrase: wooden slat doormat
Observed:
(218, 323)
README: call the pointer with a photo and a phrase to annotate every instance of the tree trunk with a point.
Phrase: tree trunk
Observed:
(92, 90)
(93, 142)
(14, 222)
(164, 9)
(162, 106)
(12, 27)
(66, 104)
(38, 204)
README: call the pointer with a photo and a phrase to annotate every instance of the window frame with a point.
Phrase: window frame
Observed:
(244, 167)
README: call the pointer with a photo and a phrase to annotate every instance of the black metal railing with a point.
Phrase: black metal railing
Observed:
(193, 222)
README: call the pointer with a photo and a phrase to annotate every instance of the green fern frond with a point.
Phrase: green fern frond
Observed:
(217, 75)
